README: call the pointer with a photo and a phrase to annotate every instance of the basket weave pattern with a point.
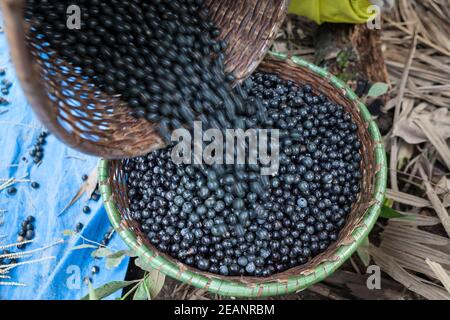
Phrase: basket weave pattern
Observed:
(359, 223)
(80, 115)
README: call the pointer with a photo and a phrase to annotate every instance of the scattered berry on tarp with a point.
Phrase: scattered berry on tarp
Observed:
(27, 231)
(78, 227)
(95, 196)
(3, 102)
(12, 191)
(95, 269)
(37, 152)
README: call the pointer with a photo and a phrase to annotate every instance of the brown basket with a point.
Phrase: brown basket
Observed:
(360, 221)
(83, 117)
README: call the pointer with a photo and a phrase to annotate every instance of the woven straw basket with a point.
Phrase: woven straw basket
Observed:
(361, 220)
(89, 120)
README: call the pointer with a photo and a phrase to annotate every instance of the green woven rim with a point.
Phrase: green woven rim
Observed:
(264, 289)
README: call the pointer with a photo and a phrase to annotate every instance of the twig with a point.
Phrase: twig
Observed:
(14, 255)
(355, 266)
(7, 267)
(401, 93)
(16, 181)
(13, 284)
(75, 157)
(30, 252)
(15, 244)
(19, 124)
(134, 288)
(8, 183)
(94, 242)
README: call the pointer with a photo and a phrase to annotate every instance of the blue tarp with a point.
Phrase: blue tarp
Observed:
(59, 176)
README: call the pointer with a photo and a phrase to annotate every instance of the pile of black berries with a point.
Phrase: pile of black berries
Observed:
(164, 58)
(4, 88)
(5, 85)
(197, 217)
(37, 152)
(26, 232)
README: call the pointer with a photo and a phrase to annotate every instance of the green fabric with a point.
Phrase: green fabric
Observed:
(337, 11)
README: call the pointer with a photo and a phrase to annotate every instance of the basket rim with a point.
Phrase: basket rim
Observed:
(266, 288)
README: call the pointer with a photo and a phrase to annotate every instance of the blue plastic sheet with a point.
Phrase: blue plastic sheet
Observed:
(59, 176)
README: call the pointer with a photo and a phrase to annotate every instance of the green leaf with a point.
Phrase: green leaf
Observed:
(112, 263)
(113, 260)
(142, 291)
(121, 253)
(144, 265)
(363, 252)
(155, 282)
(84, 246)
(388, 202)
(92, 293)
(389, 213)
(150, 286)
(342, 59)
(101, 253)
(378, 89)
(106, 289)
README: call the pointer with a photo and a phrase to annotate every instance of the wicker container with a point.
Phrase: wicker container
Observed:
(359, 223)
(89, 120)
